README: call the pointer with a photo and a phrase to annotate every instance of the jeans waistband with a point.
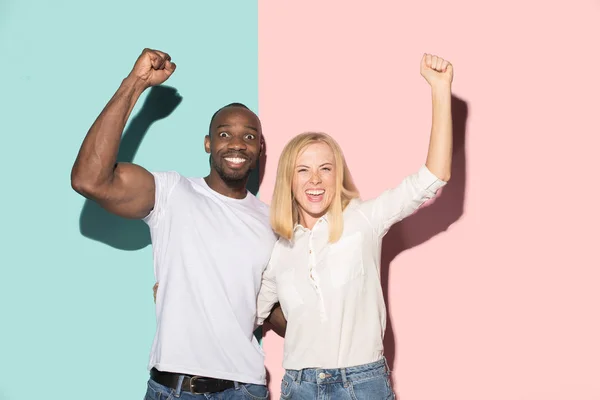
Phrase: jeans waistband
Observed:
(336, 375)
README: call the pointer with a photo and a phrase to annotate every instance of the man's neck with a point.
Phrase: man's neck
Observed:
(235, 190)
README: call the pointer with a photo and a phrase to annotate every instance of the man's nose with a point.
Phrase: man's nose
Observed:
(237, 143)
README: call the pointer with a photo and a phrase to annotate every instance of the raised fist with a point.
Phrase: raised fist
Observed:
(436, 70)
(153, 67)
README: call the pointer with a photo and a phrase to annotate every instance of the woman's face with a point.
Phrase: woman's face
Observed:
(313, 184)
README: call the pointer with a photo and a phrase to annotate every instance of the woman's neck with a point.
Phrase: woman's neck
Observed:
(308, 221)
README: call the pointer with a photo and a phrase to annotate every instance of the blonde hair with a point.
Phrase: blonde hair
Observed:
(284, 209)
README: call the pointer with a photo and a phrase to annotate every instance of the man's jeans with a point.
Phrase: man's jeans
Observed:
(368, 382)
(241, 391)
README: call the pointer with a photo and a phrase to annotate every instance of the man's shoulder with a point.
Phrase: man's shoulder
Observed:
(258, 204)
(165, 173)
(167, 176)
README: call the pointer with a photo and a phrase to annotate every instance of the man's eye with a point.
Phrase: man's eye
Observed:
(224, 134)
(250, 136)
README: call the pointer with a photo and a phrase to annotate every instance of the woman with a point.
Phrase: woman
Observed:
(325, 268)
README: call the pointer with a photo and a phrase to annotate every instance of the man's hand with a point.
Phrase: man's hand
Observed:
(436, 70)
(154, 289)
(152, 68)
(277, 320)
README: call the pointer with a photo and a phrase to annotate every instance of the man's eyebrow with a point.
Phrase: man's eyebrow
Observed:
(245, 126)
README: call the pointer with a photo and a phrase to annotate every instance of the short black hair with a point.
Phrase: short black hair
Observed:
(222, 108)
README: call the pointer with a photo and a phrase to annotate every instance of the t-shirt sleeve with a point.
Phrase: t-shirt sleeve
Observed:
(164, 183)
(267, 296)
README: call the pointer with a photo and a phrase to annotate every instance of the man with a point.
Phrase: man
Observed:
(211, 241)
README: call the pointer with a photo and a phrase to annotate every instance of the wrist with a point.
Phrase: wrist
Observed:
(441, 87)
(135, 83)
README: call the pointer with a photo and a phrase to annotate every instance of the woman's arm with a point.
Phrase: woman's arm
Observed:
(395, 204)
(439, 74)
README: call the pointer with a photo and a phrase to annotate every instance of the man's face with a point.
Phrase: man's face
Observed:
(234, 142)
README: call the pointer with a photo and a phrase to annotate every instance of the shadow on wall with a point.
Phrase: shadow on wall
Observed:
(430, 220)
(257, 174)
(98, 224)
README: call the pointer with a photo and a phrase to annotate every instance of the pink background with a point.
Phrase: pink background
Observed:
(492, 289)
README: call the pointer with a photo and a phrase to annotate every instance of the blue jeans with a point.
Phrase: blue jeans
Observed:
(368, 382)
(241, 391)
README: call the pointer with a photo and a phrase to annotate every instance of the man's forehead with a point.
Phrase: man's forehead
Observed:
(236, 113)
(236, 116)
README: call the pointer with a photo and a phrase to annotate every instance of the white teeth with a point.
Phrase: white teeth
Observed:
(235, 160)
(315, 192)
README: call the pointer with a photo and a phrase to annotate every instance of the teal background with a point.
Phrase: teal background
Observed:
(76, 308)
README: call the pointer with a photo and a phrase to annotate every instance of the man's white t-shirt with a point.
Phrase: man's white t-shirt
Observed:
(209, 255)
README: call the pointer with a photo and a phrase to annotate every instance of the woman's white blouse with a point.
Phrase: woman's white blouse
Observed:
(331, 294)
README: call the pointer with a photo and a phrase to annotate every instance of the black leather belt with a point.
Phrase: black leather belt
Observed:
(193, 384)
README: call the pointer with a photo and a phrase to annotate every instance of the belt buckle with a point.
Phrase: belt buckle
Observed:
(192, 385)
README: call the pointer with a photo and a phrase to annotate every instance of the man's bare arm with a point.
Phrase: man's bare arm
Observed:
(123, 189)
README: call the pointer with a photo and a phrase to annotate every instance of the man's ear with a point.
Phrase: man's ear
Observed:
(207, 143)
